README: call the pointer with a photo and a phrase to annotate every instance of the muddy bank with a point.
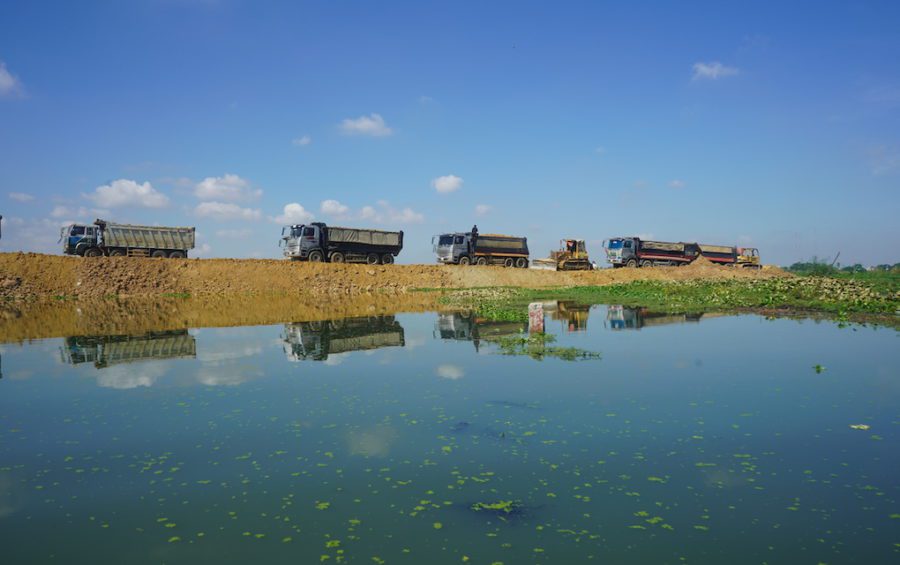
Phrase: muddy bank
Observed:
(33, 276)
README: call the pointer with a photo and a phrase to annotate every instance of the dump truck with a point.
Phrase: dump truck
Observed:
(108, 350)
(315, 341)
(571, 256)
(318, 242)
(744, 257)
(473, 248)
(636, 252)
(119, 240)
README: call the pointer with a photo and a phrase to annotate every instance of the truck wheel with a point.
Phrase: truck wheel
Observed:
(464, 261)
(158, 253)
(509, 262)
(481, 261)
(116, 253)
(522, 263)
(387, 259)
(631, 263)
(315, 256)
(337, 257)
(92, 252)
(176, 255)
(646, 263)
(372, 258)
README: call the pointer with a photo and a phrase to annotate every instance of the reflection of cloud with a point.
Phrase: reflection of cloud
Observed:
(227, 375)
(336, 359)
(10, 497)
(228, 354)
(371, 442)
(130, 376)
(411, 342)
(451, 372)
(723, 478)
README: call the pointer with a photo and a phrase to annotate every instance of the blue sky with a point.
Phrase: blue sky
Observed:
(768, 124)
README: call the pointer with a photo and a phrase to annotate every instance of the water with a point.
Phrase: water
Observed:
(692, 439)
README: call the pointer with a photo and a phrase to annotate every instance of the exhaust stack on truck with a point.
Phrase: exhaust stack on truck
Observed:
(318, 242)
(119, 240)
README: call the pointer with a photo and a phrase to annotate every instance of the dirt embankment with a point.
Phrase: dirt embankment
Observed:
(30, 275)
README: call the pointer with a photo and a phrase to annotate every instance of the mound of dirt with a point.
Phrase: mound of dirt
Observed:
(29, 275)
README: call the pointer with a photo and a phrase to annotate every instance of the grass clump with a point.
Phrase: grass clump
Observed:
(537, 347)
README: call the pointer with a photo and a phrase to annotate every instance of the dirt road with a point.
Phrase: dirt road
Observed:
(30, 276)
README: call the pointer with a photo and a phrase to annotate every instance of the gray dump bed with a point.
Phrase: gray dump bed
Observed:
(148, 237)
(366, 237)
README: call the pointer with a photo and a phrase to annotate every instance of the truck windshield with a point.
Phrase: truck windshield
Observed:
(445, 240)
(77, 230)
(615, 244)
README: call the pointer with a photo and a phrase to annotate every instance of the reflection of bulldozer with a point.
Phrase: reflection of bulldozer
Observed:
(635, 318)
(571, 256)
(574, 315)
(106, 350)
(317, 340)
(465, 326)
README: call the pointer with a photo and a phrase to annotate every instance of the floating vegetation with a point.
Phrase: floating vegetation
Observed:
(537, 346)
(818, 368)
(862, 427)
(500, 508)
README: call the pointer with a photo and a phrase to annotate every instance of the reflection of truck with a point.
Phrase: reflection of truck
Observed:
(465, 326)
(317, 242)
(571, 256)
(108, 238)
(106, 350)
(636, 252)
(635, 318)
(317, 340)
(473, 248)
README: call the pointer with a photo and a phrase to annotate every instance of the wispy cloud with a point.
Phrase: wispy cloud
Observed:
(482, 209)
(372, 125)
(447, 184)
(884, 159)
(675, 183)
(713, 71)
(10, 85)
(223, 211)
(302, 141)
(21, 196)
(384, 213)
(128, 193)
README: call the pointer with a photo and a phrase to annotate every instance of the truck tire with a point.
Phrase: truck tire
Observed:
(522, 263)
(93, 252)
(509, 262)
(158, 253)
(387, 259)
(464, 261)
(372, 258)
(481, 261)
(177, 255)
(631, 263)
(337, 257)
(117, 253)
(646, 263)
(315, 256)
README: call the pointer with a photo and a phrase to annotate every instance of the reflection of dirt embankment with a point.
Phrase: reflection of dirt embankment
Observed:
(42, 319)
(30, 275)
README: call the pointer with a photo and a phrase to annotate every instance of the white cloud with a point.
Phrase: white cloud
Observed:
(203, 249)
(372, 125)
(675, 183)
(294, 213)
(482, 209)
(10, 85)
(334, 208)
(447, 184)
(21, 196)
(714, 70)
(235, 234)
(226, 211)
(230, 188)
(302, 141)
(124, 192)
(384, 213)
(452, 372)
(600, 150)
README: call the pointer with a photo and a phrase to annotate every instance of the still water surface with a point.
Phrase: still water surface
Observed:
(409, 438)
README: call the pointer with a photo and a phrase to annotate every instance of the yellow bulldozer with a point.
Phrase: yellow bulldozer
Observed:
(571, 256)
